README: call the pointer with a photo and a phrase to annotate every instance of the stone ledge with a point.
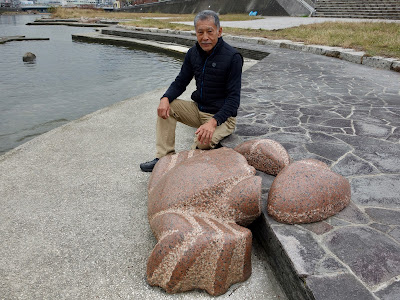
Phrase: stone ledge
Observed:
(350, 55)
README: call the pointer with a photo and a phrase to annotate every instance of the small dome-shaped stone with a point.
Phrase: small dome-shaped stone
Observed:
(265, 155)
(307, 191)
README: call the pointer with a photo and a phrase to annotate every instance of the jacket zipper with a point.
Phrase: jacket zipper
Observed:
(202, 77)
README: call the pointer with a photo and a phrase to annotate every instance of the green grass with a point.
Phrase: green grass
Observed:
(376, 39)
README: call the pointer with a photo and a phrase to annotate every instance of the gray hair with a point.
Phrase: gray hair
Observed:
(206, 15)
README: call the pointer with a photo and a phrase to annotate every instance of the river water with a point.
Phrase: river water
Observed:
(69, 79)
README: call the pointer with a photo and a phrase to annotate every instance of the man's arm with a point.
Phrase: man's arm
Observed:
(181, 81)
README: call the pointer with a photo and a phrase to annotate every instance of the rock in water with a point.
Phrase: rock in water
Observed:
(307, 191)
(197, 200)
(29, 57)
(265, 155)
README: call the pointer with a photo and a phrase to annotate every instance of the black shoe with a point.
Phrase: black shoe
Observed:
(149, 165)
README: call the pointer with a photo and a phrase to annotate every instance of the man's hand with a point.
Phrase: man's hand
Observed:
(205, 132)
(163, 108)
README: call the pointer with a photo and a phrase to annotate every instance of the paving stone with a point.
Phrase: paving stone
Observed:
(353, 214)
(292, 138)
(380, 191)
(318, 227)
(251, 130)
(338, 287)
(382, 154)
(380, 227)
(351, 165)
(337, 123)
(329, 265)
(301, 248)
(386, 114)
(343, 111)
(373, 257)
(337, 222)
(390, 292)
(373, 130)
(295, 130)
(300, 152)
(395, 233)
(384, 216)
(328, 150)
(325, 129)
(317, 137)
(395, 136)
(279, 121)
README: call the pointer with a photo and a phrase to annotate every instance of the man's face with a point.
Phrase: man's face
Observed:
(207, 34)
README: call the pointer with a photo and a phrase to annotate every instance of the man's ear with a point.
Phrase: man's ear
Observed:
(220, 32)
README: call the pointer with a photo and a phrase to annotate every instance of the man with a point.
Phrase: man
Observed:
(217, 68)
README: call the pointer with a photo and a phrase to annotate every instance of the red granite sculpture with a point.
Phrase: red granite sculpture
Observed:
(198, 203)
(307, 191)
(265, 155)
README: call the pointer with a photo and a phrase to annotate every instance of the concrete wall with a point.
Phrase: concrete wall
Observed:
(264, 7)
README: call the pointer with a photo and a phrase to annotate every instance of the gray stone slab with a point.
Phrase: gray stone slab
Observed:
(330, 265)
(380, 191)
(373, 257)
(390, 292)
(373, 130)
(384, 216)
(352, 214)
(382, 154)
(302, 249)
(329, 150)
(351, 165)
(338, 287)
(395, 233)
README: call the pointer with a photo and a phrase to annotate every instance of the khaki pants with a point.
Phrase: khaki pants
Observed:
(187, 113)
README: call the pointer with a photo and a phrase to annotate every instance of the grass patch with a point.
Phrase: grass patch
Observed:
(374, 38)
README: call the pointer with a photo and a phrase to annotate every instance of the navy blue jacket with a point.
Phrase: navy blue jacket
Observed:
(218, 80)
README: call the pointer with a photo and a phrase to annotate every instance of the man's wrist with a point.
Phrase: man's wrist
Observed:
(215, 122)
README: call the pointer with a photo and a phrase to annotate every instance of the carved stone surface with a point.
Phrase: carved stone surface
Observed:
(307, 191)
(265, 155)
(197, 200)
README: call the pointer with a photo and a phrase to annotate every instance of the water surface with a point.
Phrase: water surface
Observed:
(69, 79)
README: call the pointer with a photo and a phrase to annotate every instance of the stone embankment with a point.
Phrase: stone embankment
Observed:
(6, 39)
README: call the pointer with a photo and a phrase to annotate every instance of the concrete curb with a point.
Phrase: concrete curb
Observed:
(350, 55)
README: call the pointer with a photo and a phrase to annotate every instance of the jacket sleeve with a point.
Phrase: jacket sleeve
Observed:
(182, 80)
(234, 84)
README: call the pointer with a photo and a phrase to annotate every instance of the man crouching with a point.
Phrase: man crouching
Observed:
(217, 69)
